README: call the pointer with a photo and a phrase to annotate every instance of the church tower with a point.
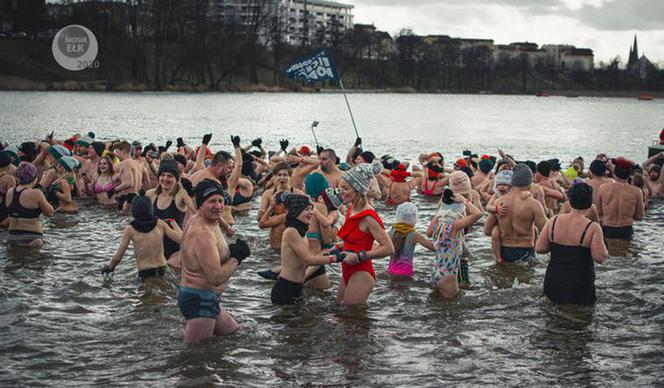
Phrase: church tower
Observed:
(633, 54)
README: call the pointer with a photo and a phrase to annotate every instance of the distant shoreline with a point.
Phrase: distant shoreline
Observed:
(20, 84)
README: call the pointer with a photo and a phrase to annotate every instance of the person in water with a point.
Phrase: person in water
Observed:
(575, 243)
(271, 213)
(24, 205)
(597, 177)
(619, 203)
(517, 232)
(502, 184)
(208, 262)
(170, 203)
(404, 238)
(455, 214)
(7, 182)
(295, 253)
(59, 184)
(363, 227)
(133, 176)
(102, 184)
(146, 232)
(653, 169)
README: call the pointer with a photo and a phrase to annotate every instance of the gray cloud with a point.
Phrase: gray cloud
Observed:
(621, 15)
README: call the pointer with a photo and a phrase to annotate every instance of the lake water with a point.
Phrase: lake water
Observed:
(61, 325)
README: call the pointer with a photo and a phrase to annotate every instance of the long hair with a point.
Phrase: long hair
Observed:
(399, 241)
(110, 165)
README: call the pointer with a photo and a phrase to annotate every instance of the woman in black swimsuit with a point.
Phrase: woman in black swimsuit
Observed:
(575, 243)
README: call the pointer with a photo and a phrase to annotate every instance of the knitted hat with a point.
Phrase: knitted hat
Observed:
(406, 213)
(332, 198)
(360, 176)
(170, 166)
(5, 159)
(304, 150)
(12, 150)
(69, 163)
(503, 178)
(86, 140)
(180, 159)
(206, 189)
(295, 203)
(522, 176)
(486, 165)
(460, 182)
(25, 173)
(314, 184)
(141, 208)
(58, 151)
(29, 149)
(99, 147)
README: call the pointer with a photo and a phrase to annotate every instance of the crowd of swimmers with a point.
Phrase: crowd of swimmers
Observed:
(318, 207)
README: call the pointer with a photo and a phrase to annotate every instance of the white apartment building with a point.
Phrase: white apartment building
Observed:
(303, 21)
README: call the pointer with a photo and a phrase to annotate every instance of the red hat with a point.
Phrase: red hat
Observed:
(305, 150)
(461, 163)
(623, 163)
(485, 157)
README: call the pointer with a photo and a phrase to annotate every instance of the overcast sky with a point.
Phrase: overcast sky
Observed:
(606, 26)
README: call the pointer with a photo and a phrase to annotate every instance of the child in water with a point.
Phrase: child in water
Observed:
(502, 184)
(404, 237)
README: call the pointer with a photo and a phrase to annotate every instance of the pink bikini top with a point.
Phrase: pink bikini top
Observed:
(102, 188)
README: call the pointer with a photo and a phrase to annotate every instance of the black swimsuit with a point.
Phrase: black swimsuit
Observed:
(171, 212)
(570, 275)
(16, 210)
(239, 199)
(3, 205)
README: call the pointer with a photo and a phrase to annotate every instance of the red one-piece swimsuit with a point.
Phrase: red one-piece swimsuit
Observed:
(356, 240)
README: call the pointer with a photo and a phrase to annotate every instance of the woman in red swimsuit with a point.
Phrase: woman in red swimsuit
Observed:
(363, 226)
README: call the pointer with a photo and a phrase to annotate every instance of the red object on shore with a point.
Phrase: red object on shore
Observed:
(645, 97)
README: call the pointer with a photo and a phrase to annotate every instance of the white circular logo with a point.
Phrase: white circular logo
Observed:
(75, 48)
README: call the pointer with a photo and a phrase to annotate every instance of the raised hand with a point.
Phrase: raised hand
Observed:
(180, 142)
(207, 138)
(284, 144)
(235, 140)
(257, 142)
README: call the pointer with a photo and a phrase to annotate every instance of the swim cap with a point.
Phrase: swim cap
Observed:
(314, 184)
(460, 182)
(332, 198)
(99, 147)
(169, 166)
(486, 165)
(360, 176)
(406, 213)
(141, 208)
(206, 189)
(25, 173)
(522, 176)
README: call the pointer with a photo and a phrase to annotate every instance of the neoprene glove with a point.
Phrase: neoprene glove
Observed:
(168, 145)
(207, 138)
(106, 269)
(284, 144)
(257, 142)
(235, 140)
(161, 149)
(358, 141)
(180, 142)
(239, 250)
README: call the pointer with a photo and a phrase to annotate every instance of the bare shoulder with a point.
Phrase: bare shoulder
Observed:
(298, 191)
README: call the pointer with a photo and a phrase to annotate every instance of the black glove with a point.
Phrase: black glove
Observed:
(257, 142)
(341, 255)
(186, 184)
(180, 142)
(284, 144)
(239, 250)
(235, 140)
(168, 145)
(161, 149)
(207, 138)
(106, 269)
(358, 141)
(319, 150)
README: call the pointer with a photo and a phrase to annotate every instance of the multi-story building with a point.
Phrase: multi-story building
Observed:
(301, 22)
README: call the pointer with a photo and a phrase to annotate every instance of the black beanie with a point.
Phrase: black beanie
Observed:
(141, 208)
(99, 147)
(180, 159)
(169, 166)
(206, 189)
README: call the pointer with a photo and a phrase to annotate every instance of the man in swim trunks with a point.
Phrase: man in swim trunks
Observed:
(653, 169)
(620, 203)
(295, 253)
(517, 234)
(207, 265)
(132, 176)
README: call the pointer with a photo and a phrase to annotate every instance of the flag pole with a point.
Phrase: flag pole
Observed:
(341, 83)
(314, 124)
